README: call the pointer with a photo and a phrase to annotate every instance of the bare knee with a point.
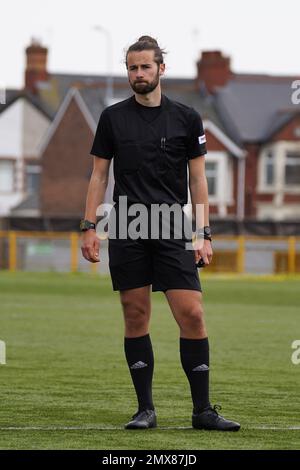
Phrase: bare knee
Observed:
(136, 317)
(192, 322)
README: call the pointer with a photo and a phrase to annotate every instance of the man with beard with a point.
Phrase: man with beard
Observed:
(152, 140)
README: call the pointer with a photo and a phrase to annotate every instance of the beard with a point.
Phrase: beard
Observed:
(143, 88)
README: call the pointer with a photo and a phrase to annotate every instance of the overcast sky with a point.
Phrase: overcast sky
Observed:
(260, 36)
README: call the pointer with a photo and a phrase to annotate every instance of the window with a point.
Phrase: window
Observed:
(32, 178)
(269, 166)
(211, 170)
(6, 176)
(292, 168)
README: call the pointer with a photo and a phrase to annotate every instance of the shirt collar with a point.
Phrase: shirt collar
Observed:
(163, 101)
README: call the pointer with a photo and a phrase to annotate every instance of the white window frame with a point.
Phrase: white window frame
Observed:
(224, 183)
(279, 150)
(290, 186)
(261, 177)
(34, 169)
(216, 177)
(269, 159)
(12, 163)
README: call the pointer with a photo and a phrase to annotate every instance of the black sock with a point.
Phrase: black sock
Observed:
(194, 355)
(139, 356)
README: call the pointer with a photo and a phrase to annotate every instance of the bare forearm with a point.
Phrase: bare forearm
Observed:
(95, 196)
(199, 195)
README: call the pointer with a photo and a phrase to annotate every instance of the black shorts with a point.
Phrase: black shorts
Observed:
(164, 263)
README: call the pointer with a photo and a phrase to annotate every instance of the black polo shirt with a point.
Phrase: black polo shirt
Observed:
(151, 147)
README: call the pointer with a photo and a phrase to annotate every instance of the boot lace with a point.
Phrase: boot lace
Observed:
(216, 408)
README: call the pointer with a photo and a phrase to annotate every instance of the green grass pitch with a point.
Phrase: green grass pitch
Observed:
(66, 384)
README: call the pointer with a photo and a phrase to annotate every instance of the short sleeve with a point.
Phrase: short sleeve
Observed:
(103, 145)
(197, 140)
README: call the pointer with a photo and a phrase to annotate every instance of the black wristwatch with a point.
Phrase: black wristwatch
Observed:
(207, 233)
(204, 232)
(87, 225)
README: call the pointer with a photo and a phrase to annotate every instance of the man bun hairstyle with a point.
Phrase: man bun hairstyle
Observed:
(147, 43)
(148, 39)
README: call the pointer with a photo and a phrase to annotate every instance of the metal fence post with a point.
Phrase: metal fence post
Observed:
(12, 241)
(74, 251)
(241, 254)
(291, 255)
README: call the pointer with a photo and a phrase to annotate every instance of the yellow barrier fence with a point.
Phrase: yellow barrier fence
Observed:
(227, 258)
(12, 236)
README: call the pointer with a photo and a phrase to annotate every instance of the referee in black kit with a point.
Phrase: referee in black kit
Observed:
(153, 139)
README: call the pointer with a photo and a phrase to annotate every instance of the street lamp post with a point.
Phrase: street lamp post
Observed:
(109, 52)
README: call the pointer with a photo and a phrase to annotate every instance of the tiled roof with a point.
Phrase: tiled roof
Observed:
(250, 109)
(12, 95)
(182, 90)
(31, 202)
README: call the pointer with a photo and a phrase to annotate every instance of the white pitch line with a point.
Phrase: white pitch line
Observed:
(275, 428)
(116, 428)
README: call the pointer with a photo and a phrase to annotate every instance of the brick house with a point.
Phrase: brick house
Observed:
(252, 129)
(23, 123)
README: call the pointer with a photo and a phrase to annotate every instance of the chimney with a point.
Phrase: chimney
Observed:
(36, 65)
(213, 69)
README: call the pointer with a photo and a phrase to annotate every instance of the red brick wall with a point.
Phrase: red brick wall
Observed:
(232, 209)
(291, 198)
(213, 144)
(66, 166)
(263, 197)
(213, 69)
(251, 179)
(287, 132)
(213, 209)
(36, 66)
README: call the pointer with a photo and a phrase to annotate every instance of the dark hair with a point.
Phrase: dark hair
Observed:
(147, 43)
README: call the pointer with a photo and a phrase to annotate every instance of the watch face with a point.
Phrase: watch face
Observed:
(86, 225)
(207, 231)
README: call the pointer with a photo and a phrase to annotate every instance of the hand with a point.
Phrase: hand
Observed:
(203, 249)
(90, 246)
